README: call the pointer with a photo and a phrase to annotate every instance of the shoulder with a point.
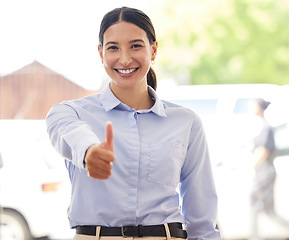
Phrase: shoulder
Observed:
(77, 106)
(82, 102)
(174, 107)
(176, 110)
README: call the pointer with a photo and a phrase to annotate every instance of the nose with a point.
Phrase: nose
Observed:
(125, 58)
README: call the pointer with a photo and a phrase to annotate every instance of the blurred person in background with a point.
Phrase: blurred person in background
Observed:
(263, 151)
(125, 173)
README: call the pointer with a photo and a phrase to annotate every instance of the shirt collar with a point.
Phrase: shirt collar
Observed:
(158, 108)
(109, 102)
(107, 99)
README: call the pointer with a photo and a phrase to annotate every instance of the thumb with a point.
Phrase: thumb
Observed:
(109, 136)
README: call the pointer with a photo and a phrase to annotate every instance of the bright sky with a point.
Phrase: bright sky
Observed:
(61, 34)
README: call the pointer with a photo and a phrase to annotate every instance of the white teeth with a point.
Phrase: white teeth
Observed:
(126, 71)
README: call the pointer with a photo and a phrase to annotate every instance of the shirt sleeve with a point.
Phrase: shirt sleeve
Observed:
(70, 136)
(265, 138)
(268, 137)
(198, 193)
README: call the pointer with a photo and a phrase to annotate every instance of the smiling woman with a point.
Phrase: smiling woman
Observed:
(142, 35)
(127, 60)
(127, 151)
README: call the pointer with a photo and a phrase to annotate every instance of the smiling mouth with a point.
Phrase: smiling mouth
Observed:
(126, 71)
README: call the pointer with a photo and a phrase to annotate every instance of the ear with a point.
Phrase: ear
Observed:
(100, 51)
(154, 48)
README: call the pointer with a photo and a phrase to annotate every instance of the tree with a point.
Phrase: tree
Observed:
(232, 41)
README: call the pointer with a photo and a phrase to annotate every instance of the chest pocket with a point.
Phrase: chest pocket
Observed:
(165, 163)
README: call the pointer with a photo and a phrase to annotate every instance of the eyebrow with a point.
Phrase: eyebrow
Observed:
(137, 40)
(133, 41)
(114, 43)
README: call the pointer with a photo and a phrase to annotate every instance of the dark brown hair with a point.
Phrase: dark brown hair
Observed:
(137, 18)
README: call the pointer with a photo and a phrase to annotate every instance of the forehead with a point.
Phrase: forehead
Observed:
(124, 31)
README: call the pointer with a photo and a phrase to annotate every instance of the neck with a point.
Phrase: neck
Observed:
(261, 114)
(135, 98)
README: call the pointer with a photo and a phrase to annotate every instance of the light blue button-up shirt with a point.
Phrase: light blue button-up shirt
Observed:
(161, 163)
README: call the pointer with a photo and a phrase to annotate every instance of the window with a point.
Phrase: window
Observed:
(242, 106)
(281, 135)
(200, 106)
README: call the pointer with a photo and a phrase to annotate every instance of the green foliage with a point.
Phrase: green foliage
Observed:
(229, 41)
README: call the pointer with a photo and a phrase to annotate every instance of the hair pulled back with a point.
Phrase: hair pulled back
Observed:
(136, 17)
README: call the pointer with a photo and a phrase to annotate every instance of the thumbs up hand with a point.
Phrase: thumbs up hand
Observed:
(109, 137)
(99, 158)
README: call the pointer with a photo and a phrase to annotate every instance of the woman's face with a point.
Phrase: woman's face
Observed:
(126, 54)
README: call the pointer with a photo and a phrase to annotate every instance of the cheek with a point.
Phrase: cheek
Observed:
(108, 60)
(145, 59)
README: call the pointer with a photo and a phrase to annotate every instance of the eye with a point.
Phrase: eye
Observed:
(112, 48)
(136, 46)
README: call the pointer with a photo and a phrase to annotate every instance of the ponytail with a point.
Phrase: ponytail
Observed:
(152, 79)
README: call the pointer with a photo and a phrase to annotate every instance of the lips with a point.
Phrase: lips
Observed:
(126, 71)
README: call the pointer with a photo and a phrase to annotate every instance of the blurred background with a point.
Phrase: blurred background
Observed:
(215, 57)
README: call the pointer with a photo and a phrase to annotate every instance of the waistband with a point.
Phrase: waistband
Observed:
(135, 231)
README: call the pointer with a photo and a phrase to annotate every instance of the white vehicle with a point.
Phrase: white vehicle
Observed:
(34, 185)
(229, 127)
